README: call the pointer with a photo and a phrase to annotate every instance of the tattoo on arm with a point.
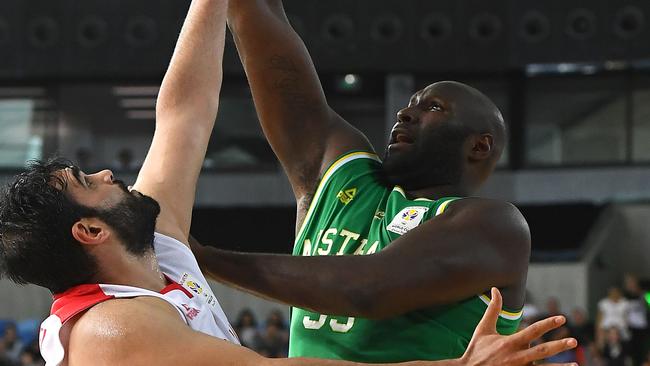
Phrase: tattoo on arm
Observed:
(288, 84)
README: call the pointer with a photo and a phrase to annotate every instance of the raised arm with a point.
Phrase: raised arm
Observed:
(185, 114)
(474, 245)
(302, 129)
(145, 332)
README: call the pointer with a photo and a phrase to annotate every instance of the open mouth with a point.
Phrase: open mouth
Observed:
(400, 136)
(403, 138)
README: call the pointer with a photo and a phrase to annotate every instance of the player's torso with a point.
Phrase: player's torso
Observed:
(354, 214)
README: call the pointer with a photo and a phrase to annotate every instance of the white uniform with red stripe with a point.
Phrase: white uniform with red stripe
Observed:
(188, 292)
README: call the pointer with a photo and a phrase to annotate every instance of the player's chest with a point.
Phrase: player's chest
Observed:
(365, 229)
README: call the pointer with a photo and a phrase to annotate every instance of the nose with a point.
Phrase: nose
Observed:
(404, 115)
(106, 176)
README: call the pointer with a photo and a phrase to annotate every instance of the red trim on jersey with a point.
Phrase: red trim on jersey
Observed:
(173, 285)
(76, 300)
(83, 297)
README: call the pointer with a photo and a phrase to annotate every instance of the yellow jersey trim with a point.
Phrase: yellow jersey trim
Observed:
(504, 314)
(326, 177)
(443, 207)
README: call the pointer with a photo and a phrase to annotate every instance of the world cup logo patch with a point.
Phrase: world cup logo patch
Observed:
(410, 215)
(407, 219)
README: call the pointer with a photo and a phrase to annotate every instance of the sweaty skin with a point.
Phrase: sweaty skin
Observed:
(447, 253)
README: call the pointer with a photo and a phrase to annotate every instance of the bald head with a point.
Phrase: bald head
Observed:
(472, 109)
(449, 134)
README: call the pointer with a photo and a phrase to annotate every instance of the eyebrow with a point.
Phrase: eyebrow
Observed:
(76, 172)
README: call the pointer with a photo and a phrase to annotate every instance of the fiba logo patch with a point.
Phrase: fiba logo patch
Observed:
(407, 219)
(410, 215)
(203, 291)
(195, 287)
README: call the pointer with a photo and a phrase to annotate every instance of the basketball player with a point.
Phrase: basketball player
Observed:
(127, 289)
(398, 257)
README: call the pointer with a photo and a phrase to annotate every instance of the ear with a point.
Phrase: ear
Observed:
(482, 147)
(90, 231)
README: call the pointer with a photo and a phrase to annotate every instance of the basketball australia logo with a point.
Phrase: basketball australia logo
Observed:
(407, 219)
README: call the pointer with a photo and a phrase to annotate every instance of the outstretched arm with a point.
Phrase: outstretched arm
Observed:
(474, 245)
(185, 113)
(148, 332)
(304, 132)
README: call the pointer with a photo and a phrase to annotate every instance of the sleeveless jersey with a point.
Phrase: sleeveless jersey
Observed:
(353, 213)
(187, 291)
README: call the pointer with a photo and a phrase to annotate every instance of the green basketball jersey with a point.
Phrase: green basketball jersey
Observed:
(352, 213)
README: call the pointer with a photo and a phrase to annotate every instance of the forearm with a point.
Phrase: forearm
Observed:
(322, 284)
(193, 79)
(289, 99)
(369, 286)
(323, 362)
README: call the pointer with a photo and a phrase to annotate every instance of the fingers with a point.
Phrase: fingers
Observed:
(488, 324)
(539, 328)
(559, 364)
(548, 349)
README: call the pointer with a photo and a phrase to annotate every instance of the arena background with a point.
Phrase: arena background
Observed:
(79, 78)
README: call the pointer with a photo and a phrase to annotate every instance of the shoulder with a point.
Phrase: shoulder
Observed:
(110, 332)
(497, 216)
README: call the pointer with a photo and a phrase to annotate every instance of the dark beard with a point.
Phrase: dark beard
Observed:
(134, 221)
(435, 159)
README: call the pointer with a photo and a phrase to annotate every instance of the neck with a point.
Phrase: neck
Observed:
(438, 191)
(122, 268)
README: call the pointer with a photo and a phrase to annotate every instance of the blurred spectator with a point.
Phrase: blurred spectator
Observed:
(31, 355)
(612, 313)
(246, 327)
(12, 345)
(275, 337)
(581, 328)
(637, 317)
(28, 358)
(590, 355)
(4, 359)
(614, 350)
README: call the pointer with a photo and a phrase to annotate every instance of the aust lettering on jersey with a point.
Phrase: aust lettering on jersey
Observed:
(327, 240)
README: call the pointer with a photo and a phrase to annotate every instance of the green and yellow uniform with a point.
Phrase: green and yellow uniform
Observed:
(352, 213)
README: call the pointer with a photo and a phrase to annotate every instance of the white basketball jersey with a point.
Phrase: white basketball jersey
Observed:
(187, 291)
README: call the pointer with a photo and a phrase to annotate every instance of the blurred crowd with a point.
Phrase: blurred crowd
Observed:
(618, 335)
(19, 344)
(270, 339)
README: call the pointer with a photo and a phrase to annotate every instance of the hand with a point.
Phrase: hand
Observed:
(487, 347)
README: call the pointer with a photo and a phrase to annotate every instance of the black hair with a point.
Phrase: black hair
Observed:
(36, 219)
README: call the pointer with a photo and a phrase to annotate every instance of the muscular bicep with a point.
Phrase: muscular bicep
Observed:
(302, 129)
(473, 246)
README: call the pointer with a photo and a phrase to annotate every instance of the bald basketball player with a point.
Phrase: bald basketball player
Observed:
(394, 257)
(127, 289)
